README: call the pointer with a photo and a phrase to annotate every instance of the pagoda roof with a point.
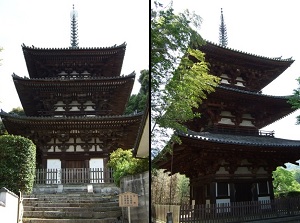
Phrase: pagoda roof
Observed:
(277, 106)
(270, 67)
(119, 130)
(44, 62)
(69, 81)
(13, 123)
(231, 139)
(200, 151)
(42, 88)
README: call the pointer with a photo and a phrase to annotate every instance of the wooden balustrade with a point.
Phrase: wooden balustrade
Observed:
(229, 212)
(73, 176)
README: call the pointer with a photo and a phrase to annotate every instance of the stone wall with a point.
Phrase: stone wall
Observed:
(138, 184)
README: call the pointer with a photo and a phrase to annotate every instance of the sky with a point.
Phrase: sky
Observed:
(268, 28)
(46, 24)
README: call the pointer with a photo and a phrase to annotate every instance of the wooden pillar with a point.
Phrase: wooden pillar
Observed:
(191, 193)
(271, 189)
(63, 163)
(87, 163)
(44, 162)
(105, 169)
(254, 192)
(232, 192)
(213, 192)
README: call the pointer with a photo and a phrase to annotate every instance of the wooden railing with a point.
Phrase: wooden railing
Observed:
(73, 176)
(240, 211)
(239, 131)
(231, 212)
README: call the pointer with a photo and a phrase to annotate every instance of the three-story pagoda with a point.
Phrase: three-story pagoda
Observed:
(224, 153)
(74, 101)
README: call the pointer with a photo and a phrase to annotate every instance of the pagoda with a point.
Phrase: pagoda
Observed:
(224, 153)
(74, 101)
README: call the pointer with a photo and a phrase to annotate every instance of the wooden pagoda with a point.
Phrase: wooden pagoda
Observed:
(224, 153)
(74, 101)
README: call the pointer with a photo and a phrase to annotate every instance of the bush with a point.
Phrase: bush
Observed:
(288, 194)
(17, 163)
(123, 164)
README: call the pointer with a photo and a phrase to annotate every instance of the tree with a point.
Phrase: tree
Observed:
(2, 129)
(180, 77)
(17, 163)
(123, 164)
(294, 100)
(284, 182)
(17, 111)
(163, 186)
(137, 102)
(296, 173)
(183, 187)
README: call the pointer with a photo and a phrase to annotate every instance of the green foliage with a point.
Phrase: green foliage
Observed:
(2, 129)
(17, 163)
(17, 111)
(186, 90)
(166, 189)
(294, 100)
(180, 76)
(284, 182)
(288, 194)
(183, 187)
(123, 164)
(296, 173)
(137, 102)
(144, 81)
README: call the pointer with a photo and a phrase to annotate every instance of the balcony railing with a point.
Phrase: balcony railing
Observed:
(239, 131)
(73, 176)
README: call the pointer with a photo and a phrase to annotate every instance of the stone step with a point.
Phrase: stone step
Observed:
(72, 209)
(87, 205)
(71, 195)
(66, 200)
(42, 220)
(102, 188)
(74, 215)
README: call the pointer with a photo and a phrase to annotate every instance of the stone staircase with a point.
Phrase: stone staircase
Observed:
(71, 207)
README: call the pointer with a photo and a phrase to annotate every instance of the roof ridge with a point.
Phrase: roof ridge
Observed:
(251, 54)
(115, 46)
(252, 92)
(3, 113)
(132, 74)
(241, 139)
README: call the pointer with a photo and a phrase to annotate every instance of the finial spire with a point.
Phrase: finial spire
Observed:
(223, 32)
(74, 29)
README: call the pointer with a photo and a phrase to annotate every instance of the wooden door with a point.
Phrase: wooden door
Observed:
(75, 164)
(75, 171)
(243, 192)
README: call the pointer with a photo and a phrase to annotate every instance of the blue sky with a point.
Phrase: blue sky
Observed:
(266, 28)
(46, 24)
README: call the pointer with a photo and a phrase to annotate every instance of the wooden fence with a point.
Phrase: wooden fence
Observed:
(159, 212)
(232, 212)
(73, 176)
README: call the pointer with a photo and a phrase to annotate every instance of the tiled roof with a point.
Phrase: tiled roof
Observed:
(262, 141)
(251, 92)
(250, 54)
(78, 48)
(81, 79)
